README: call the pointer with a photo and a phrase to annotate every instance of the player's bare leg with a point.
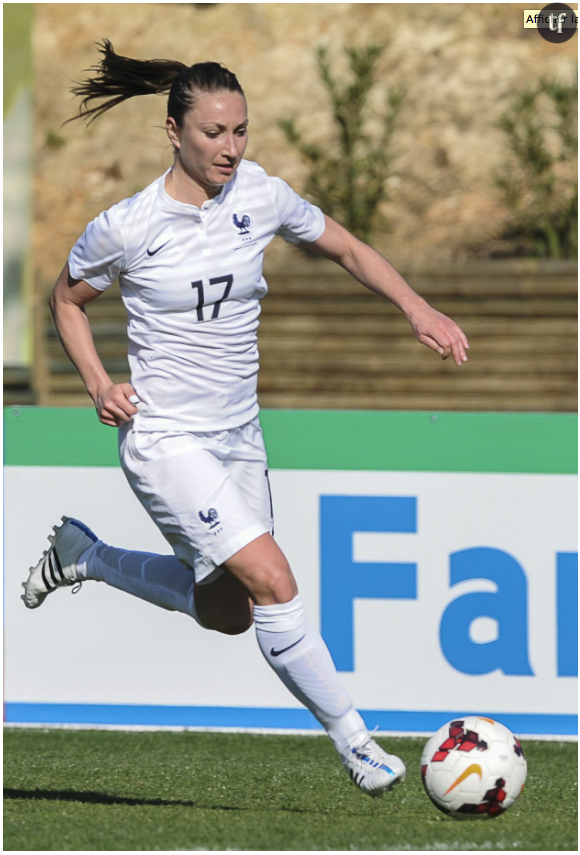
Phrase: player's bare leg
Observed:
(293, 648)
(297, 653)
(262, 568)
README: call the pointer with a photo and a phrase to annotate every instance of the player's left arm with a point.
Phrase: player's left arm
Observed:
(372, 270)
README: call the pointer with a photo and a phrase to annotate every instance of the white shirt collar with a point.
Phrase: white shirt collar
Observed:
(185, 207)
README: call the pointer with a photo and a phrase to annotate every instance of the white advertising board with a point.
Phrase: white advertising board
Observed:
(438, 593)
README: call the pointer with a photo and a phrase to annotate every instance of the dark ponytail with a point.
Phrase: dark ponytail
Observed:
(119, 78)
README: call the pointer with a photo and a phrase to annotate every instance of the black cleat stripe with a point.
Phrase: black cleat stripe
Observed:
(57, 564)
(51, 570)
(47, 585)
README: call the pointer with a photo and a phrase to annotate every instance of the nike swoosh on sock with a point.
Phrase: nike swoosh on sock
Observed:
(284, 649)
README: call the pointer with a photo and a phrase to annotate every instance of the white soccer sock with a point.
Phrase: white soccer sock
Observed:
(159, 579)
(299, 656)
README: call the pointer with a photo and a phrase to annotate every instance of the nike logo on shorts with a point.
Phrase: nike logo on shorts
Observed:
(155, 251)
(284, 649)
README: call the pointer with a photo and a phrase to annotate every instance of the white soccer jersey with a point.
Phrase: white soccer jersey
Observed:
(191, 281)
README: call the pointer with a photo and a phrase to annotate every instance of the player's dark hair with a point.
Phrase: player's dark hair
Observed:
(119, 78)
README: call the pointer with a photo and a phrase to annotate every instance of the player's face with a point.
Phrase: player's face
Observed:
(213, 138)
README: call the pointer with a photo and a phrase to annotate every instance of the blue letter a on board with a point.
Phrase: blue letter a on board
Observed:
(508, 606)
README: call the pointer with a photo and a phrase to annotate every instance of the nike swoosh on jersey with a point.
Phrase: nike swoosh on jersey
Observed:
(284, 649)
(475, 767)
(155, 251)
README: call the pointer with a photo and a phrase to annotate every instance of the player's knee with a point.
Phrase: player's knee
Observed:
(277, 584)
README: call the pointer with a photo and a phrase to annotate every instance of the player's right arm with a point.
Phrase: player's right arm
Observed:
(67, 302)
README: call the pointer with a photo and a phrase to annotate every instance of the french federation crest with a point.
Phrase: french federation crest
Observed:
(211, 519)
(242, 224)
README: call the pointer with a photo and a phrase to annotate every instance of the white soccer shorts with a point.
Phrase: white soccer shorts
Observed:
(208, 493)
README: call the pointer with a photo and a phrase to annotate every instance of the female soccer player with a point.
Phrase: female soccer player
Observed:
(188, 251)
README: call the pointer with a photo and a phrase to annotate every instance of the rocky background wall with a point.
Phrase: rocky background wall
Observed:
(461, 64)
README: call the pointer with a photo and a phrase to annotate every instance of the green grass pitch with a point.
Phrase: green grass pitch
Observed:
(110, 790)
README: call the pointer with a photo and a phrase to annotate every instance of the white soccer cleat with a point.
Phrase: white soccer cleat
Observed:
(372, 769)
(57, 567)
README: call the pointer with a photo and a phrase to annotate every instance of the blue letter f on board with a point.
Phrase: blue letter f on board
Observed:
(344, 580)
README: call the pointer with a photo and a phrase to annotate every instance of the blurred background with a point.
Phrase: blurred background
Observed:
(445, 135)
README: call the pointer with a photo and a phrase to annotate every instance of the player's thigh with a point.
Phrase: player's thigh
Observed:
(252, 479)
(262, 568)
(248, 465)
(192, 498)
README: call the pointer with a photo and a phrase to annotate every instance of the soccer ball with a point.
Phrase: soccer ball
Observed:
(473, 767)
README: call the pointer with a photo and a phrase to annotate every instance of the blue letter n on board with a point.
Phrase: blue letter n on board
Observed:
(343, 580)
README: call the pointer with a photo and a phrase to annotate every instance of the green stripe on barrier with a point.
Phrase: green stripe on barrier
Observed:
(55, 436)
(325, 439)
(423, 442)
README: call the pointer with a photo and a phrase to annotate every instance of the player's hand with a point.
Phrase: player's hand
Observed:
(440, 333)
(113, 404)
